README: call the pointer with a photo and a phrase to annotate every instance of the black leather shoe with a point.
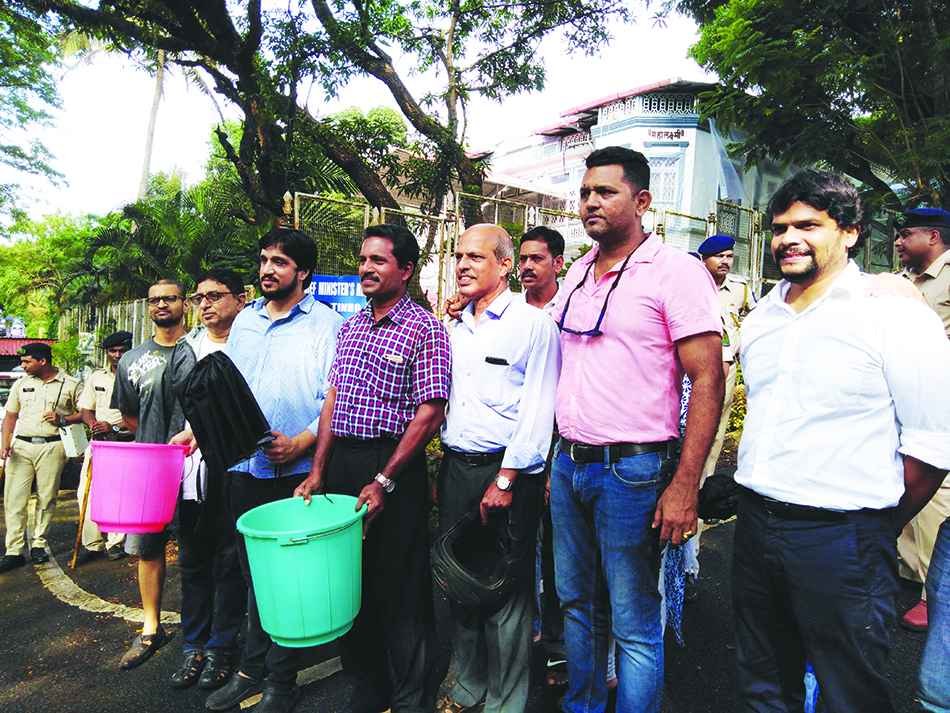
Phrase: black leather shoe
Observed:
(88, 556)
(278, 701)
(189, 672)
(11, 562)
(238, 689)
(38, 555)
(116, 553)
(142, 648)
(216, 671)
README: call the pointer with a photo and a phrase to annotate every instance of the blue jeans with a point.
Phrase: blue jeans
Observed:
(934, 693)
(606, 557)
(822, 591)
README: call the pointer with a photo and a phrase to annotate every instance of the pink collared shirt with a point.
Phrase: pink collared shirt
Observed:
(624, 386)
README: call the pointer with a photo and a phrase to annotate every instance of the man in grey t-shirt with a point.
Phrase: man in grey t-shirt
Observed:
(144, 394)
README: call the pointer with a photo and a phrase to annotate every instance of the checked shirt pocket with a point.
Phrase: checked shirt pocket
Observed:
(389, 375)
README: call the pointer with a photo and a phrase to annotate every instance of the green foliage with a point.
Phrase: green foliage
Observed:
(27, 95)
(67, 356)
(855, 85)
(33, 267)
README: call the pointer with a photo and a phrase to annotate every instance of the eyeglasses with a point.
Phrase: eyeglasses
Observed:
(167, 299)
(595, 332)
(212, 297)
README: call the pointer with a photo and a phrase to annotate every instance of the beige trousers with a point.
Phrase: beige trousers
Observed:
(44, 462)
(916, 543)
(92, 539)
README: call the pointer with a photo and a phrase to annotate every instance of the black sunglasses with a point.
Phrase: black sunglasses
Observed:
(595, 332)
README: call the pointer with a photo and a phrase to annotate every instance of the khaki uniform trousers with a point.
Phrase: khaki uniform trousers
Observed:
(916, 543)
(44, 462)
(92, 539)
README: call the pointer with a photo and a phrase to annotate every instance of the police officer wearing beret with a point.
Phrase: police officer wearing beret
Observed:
(923, 246)
(40, 402)
(735, 301)
(105, 424)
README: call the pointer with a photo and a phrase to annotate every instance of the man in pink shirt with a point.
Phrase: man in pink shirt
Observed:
(635, 315)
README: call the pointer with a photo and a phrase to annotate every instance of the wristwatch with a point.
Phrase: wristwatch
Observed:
(503, 482)
(115, 428)
(387, 484)
(63, 421)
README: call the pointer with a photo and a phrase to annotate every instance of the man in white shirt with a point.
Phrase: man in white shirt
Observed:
(505, 364)
(842, 446)
(213, 590)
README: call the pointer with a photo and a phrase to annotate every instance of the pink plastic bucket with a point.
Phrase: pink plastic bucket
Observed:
(134, 485)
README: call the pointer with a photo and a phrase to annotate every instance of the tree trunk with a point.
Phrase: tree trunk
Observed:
(150, 136)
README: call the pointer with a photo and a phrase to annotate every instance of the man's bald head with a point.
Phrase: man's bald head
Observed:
(484, 257)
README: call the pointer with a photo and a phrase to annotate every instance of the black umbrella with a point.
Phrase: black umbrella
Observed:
(224, 415)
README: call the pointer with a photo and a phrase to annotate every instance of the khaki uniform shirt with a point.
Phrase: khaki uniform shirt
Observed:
(735, 298)
(30, 397)
(97, 396)
(934, 284)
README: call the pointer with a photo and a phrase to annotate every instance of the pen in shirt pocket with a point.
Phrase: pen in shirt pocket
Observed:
(497, 360)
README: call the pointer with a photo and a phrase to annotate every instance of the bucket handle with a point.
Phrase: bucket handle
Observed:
(286, 542)
(289, 541)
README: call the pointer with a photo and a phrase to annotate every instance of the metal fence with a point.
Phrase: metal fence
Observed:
(338, 226)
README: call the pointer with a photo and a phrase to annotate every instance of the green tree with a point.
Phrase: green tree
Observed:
(258, 60)
(27, 95)
(859, 86)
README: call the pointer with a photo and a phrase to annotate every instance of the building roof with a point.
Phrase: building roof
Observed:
(583, 116)
(10, 345)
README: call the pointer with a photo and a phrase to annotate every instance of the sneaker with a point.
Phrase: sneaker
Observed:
(116, 552)
(11, 562)
(916, 618)
(39, 555)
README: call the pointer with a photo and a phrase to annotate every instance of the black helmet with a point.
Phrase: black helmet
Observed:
(472, 564)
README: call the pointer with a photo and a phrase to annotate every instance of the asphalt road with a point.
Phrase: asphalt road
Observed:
(57, 656)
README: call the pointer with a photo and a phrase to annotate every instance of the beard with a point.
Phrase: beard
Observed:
(798, 276)
(279, 293)
(169, 321)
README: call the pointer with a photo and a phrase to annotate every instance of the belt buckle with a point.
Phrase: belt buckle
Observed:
(37, 440)
(571, 454)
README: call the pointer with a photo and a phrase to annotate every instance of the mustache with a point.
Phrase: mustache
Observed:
(791, 250)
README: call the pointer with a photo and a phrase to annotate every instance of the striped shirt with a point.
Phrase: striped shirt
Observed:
(384, 370)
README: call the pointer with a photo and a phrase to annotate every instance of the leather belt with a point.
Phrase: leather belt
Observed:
(475, 458)
(584, 453)
(794, 511)
(40, 439)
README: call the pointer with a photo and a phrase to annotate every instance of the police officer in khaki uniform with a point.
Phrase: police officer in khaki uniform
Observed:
(39, 403)
(105, 424)
(923, 245)
(735, 301)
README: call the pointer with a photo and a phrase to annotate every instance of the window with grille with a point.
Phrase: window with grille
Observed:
(664, 180)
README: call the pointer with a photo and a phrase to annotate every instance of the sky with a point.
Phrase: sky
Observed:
(99, 138)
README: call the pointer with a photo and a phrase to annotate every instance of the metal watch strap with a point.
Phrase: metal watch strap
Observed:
(387, 484)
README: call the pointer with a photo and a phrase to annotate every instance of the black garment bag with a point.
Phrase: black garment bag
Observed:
(226, 419)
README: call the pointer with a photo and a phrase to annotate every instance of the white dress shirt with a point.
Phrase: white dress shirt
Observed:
(504, 377)
(837, 393)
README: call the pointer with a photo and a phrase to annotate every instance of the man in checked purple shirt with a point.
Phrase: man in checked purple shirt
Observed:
(389, 385)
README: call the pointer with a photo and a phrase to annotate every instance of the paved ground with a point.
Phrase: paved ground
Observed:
(57, 655)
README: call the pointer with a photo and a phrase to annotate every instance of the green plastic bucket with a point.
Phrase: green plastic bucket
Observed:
(306, 566)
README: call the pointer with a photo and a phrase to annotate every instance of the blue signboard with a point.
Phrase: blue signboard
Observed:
(341, 293)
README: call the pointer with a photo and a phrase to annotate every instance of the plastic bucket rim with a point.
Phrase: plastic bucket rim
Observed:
(326, 528)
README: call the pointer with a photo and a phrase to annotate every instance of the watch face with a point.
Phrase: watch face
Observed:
(503, 482)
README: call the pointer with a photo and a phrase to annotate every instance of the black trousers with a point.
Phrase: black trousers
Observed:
(396, 623)
(262, 658)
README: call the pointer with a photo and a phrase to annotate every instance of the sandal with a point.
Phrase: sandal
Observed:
(557, 669)
(447, 705)
(187, 675)
(217, 670)
(143, 646)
